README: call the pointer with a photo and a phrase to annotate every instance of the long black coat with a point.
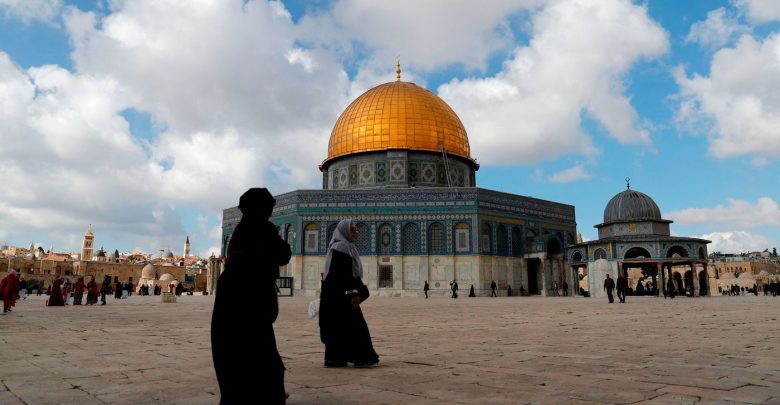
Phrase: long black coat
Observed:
(246, 297)
(343, 329)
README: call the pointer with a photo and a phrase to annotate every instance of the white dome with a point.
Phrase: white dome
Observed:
(167, 277)
(148, 272)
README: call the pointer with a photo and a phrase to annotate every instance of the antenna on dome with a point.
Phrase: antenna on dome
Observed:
(398, 68)
(628, 183)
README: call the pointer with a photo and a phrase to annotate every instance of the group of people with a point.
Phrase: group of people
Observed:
(621, 286)
(343, 329)
(61, 290)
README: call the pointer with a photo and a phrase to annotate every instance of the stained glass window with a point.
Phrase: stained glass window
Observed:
(435, 239)
(501, 245)
(411, 239)
(363, 241)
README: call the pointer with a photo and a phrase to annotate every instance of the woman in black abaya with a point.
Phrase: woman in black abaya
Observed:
(343, 329)
(246, 294)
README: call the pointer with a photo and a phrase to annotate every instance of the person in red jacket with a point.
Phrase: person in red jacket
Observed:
(10, 290)
(78, 291)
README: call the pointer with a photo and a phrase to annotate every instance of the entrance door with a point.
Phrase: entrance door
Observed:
(533, 284)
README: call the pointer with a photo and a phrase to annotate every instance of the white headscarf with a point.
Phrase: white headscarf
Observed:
(13, 272)
(342, 242)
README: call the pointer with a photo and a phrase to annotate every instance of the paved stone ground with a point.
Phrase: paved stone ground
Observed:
(437, 351)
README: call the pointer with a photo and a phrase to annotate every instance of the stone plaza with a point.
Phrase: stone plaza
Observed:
(507, 350)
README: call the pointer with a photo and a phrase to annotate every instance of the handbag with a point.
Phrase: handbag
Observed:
(314, 308)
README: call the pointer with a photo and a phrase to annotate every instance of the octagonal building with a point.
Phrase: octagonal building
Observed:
(399, 163)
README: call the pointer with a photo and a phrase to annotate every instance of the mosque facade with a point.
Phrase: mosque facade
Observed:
(636, 242)
(399, 163)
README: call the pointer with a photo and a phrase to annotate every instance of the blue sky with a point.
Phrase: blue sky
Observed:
(146, 118)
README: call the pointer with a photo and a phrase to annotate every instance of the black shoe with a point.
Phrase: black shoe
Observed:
(331, 363)
(366, 364)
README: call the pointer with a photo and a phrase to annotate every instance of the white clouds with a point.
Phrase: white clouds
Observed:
(717, 30)
(28, 10)
(574, 173)
(736, 214)
(427, 34)
(576, 63)
(738, 105)
(760, 11)
(239, 102)
(737, 242)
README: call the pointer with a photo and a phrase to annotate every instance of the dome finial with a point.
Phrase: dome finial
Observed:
(628, 183)
(398, 68)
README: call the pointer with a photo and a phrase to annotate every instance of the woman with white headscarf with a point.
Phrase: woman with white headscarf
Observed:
(343, 329)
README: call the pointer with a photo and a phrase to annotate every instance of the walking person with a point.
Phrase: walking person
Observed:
(622, 287)
(493, 288)
(565, 288)
(105, 289)
(454, 288)
(55, 296)
(609, 285)
(426, 287)
(254, 255)
(92, 291)
(78, 291)
(343, 328)
(9, 289)
(669, 289)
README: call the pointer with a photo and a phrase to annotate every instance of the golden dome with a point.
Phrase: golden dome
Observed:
(398, 115)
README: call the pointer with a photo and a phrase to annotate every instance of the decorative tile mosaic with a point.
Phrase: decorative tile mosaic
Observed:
(343, 177)
(353, 175)
(428, 174)
(366, 173)
(413, 172)
(397, 170)
(381, 172)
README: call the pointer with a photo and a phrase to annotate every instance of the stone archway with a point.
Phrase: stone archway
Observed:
(637, 253)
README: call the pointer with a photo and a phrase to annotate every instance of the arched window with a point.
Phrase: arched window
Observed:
(311, 238)
(363, 241)
(411, 239)
(486, 234)
(501, 245)
(331, 229)
(517, 242)
(290, 235)
(599, 254)
(436, 239)
(385, 242)
(462, 237)
(576, 257)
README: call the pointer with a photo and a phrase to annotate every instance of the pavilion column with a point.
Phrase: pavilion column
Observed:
(660, 273)
(707, 292)
(694, 279)
(545, 268)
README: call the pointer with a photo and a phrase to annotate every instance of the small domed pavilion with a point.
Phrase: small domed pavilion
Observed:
(636, 242)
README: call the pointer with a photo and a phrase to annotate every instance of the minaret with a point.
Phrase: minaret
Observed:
(87, 244)
(187, 247)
